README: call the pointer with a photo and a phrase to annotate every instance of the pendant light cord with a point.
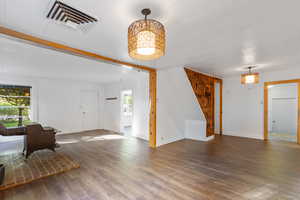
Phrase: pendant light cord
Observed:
(146, 12)
(250, 68)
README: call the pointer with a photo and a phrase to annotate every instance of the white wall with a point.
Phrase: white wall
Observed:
(59, 104)
(111, 108)
(243, 106)
(241, 109)
(196, 130)
(176, 105)
(55, 102)
(138, 82)
(141, 107)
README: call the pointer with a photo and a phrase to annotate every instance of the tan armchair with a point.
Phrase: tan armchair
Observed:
(38, 138)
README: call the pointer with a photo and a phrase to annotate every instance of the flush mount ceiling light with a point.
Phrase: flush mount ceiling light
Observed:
(146, 38)
(250, 77)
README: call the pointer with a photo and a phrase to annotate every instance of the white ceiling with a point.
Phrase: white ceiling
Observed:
(23, 59)
(219, 37)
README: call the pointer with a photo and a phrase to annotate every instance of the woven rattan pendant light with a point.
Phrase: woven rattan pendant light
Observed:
(146, 38)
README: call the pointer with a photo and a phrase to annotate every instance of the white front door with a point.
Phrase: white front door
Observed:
(89, 109)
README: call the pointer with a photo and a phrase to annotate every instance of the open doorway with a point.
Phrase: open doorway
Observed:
(282, 110)
(283, 104)
(126, 112)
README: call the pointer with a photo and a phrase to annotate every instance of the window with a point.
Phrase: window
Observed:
(14, 105)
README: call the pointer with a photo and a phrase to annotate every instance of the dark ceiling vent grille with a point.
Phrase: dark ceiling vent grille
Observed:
(70, 16)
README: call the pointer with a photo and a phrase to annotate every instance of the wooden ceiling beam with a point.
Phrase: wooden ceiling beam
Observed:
(69, 50)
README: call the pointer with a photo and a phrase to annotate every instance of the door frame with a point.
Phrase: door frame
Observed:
(266, 108)
(220, 81)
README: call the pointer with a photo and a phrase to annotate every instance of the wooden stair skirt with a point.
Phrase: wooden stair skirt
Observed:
(204, 89)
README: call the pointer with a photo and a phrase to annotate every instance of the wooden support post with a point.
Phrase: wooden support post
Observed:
(152, 120)
(266, 111)
(221, 107)
(298, 125)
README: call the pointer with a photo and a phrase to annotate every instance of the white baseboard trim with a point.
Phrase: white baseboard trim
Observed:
(229, 133)
(203, 139)
(209, 138)
(170, 140)
(77, 131)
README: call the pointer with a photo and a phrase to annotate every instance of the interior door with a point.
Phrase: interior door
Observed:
(280, 122)
(89, 109)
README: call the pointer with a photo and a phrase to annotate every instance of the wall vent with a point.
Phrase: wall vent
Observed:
(71, 17)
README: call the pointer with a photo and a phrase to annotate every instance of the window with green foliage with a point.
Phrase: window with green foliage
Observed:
(14, 105)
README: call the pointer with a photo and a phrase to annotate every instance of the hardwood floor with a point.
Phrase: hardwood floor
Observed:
(113, 167)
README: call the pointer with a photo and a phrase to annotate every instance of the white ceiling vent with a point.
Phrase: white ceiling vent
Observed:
(71, 17)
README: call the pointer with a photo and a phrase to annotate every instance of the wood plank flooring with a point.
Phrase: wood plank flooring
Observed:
(116, 168)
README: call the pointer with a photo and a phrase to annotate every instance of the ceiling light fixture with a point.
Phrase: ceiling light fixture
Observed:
(146, 38)
(250, 77)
